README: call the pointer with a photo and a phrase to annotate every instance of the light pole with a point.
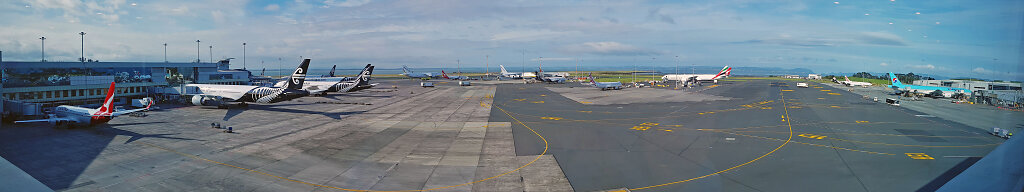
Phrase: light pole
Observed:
(197, 52)
(677, 64)
(42, 55)
(243, 56)
(487, 65)
(165, 52)
(652, 69)
(82, 33)
(278, 66)
(211, 53)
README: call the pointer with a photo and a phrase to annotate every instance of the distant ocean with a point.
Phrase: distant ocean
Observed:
(737, 71)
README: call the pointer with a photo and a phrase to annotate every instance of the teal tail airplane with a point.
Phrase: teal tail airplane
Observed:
(900, 87)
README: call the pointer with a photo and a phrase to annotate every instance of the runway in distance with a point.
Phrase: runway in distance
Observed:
(724, 73)
(68, 116)
(221, 95)
(900, 88)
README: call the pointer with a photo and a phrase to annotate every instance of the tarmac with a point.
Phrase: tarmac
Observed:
(409, 138)
(768, 136)
(748, 135)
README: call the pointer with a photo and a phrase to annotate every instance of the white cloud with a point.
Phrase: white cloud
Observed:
(527, 35)
(554, 59)
(981, 70)
(928, 66)
(607, 48)
(272, 7)
(347, 3)
(883, 64)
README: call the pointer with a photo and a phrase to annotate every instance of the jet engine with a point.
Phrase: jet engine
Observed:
(205, 100)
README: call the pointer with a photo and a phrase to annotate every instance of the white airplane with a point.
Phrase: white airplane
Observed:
(339, 85)
(453, 77)
(220, 95)
(724, 73)
(851, 83)
(68, 116)
(505, 73)
(604, 85)
(409, 73)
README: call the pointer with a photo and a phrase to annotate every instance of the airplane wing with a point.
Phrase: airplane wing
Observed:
(45, 120)
(122, 112)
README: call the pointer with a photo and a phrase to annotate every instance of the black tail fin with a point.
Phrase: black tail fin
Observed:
(332, 71)
(264, 70)
(299, 76)
(364, 76)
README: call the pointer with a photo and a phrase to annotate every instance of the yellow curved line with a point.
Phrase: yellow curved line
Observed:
(876, 143)
(344, 189)
(740, 165)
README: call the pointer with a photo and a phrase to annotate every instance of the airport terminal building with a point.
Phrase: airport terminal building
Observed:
(29, 87)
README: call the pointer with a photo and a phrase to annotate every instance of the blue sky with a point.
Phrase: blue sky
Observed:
(949, 38)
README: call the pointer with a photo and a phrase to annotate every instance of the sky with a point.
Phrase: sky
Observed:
(943, 37)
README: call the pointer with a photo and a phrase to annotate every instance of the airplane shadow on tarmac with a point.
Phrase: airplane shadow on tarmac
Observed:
(235, 111)
(57, 157)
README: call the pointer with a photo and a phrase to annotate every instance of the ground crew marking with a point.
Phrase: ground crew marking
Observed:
(552, 118)
(863, 122)
(787, 90)
(519, 99)
(825, 90)
(537, 102)
(834, 106)
(919, 156)
(812, 136)
(833, 93)
(586, 111)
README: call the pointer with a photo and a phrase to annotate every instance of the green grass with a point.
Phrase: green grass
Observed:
(872, 81)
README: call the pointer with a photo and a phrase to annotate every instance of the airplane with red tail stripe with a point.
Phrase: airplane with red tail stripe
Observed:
(69, 116)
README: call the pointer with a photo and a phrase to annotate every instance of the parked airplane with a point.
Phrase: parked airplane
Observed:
(409, 73)
(900, 87)
(68, 116)
(724, 73)
(550, 77)
(453, 77)
(851, 83)
(505, 73)
(219, 95)
(330, 77)
(604, 85)
(323, 87)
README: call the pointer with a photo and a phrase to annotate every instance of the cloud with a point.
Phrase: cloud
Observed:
(272, 7)
(883, 64)
(346, 3)
(981, 70)
(655, 14)
(928, 66)
(881, 38)
(527, 35)
(607, 48)
(554, 59)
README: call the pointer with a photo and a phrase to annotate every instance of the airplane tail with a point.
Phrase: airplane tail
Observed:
(724, 72)
(847, 78)
(107, 108)
(299, 76)
(263, 71)
(332, 71)
(503, 71)
(406, 70)
(445, 75)
(895, 81)
(835, 81)
(363, 75)
(591, 77)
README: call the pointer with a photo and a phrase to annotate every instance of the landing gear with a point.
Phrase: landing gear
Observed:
(243, 104)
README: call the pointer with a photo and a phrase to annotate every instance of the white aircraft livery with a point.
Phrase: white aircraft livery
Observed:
(724, 73)
(339, 85)
(218, 95)
(68, 116)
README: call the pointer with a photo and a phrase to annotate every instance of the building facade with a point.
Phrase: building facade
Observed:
(82, 83)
